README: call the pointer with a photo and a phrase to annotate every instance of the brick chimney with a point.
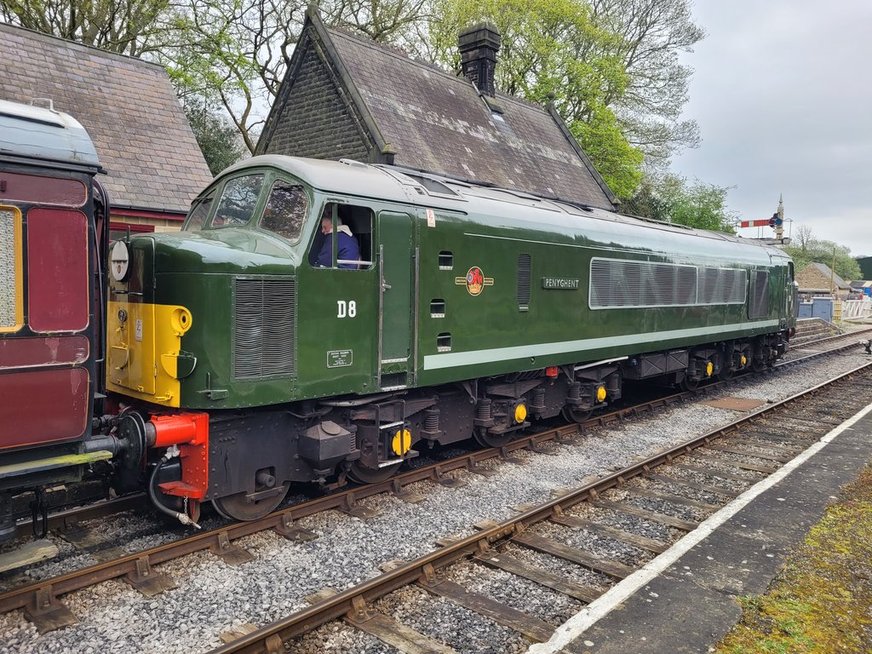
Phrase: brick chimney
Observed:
(478, 47)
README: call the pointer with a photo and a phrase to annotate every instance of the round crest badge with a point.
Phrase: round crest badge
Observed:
(475, 281)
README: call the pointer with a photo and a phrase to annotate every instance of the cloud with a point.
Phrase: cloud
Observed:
(781, 96)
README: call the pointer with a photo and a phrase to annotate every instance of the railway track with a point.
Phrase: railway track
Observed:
(847, 340)
(68, 518)
(41, 600)
(670, 492)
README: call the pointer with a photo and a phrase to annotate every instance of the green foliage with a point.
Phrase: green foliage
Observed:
(672, 198)
(218, 139)
(806, 249)
(122, 26)
(553, 52)
(617, 161)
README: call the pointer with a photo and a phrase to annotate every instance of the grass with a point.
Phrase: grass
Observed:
(821, 601)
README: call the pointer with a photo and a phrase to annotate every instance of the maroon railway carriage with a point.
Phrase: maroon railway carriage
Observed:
(52, 229)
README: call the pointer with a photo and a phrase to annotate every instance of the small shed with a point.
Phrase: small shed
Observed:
(819, 279)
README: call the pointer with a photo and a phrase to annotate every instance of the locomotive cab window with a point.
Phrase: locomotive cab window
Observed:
(285, 210)
(199, 213)
(352, 247)
(238, 201)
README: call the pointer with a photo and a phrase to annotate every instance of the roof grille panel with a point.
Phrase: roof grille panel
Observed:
(264, 328)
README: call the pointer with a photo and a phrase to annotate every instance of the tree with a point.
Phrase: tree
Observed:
(234, 53)
(218, 139)
(553, 52)
(651, 34)
(121, 26)
(672, 198)
(812, 250)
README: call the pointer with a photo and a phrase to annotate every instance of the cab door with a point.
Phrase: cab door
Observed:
(396, 306)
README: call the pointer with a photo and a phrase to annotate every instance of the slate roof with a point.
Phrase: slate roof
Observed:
(438, 122)
(128, 107)
(817, 277)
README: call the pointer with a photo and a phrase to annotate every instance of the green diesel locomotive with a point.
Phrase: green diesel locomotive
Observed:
(464, 310)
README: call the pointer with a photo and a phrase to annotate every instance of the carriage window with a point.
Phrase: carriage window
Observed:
(238, 201)
(198, 214)
(285, 210)
(11, 282)
(353, 250)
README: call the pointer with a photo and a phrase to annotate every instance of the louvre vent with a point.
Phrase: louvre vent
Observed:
(759, 306)
(615, 283)
(722, 286)
(263, 335)
(523, 282)
(618, 283)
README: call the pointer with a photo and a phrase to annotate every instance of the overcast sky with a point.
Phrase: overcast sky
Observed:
(782, 93)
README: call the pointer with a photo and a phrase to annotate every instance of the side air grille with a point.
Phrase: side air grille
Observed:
(263, 328)
(722, 286)
(618, 283)
(523, 282)
(759, 305)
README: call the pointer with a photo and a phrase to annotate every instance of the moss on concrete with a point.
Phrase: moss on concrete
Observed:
(821, 602)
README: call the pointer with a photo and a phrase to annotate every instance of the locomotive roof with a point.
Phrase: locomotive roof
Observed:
(45, 134)
(512, 207)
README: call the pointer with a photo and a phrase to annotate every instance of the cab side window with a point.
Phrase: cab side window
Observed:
(285, 210)
(238, 201)
(198, 214)
(352, 226)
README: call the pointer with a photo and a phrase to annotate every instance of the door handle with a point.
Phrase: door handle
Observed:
(386, 286)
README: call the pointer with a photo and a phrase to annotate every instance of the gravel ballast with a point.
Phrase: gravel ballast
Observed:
(213, 597)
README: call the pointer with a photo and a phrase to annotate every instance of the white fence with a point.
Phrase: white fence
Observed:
(857, 309)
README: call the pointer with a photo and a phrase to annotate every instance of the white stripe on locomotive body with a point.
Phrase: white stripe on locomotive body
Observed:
(456, 359)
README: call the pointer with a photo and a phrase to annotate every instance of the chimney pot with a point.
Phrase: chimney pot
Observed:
(478, 46)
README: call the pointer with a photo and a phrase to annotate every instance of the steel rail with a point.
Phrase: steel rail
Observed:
(65, 517)
(219, 540)
(271, 637)
(835, 337)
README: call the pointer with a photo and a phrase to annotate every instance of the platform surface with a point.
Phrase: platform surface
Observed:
(692, 604)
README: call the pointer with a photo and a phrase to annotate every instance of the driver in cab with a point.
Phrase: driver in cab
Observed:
(347, 249)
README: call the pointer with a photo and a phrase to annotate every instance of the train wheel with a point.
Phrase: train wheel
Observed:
(237, 507)
(576, 415)
(366, 475)
(688, 384)
(486, 439)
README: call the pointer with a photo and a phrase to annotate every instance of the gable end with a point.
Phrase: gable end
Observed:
(313, 115)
